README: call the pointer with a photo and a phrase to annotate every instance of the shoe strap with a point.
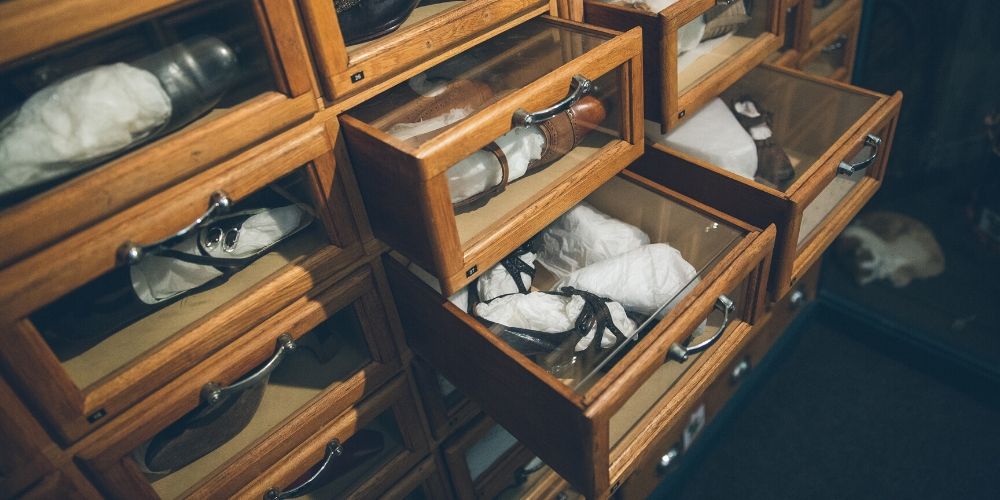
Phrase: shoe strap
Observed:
(493, 148)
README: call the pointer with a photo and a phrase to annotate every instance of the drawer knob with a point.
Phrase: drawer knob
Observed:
(740, 371)
(131, 252)
(668, 460)
(872, 142)
(681, 353)
(333, 450)
(212, 392)
(580, 87)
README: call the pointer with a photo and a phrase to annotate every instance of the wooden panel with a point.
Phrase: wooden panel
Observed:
(443, 419)
(426, 479)
(67, 482)
(26, 445)
(495, 477)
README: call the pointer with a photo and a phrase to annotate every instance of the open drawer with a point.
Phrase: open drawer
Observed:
(833, 56)
(114, 312)
(357, 46)
(820, 19)
(192, 83)
(436, 186)
(484, 459)
(692, 49)
(213, 429)
(837, 139)
(572, 409)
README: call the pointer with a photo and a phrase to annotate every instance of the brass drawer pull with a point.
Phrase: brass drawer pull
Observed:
(872, 141)
(680, 353)
(131, 252)
(212, 392)
(333, 450)
(581, 87)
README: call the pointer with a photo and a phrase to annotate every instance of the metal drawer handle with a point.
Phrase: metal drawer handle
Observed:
(333, 450)
(680, 353)
(668, 459)
(872, 141)
(131, 252)
(724, 2)
(212, 392)
(836, 45)
(581, 87)
(522, 473)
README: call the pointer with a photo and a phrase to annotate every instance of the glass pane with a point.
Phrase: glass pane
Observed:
(806, 119)
(451, 395)
(118, 317)
(710, 40)
(485, 452)
(828, 60)
(162, 74)
(828, 199)
(207, 437)
(417, 494)
(699, 241)
(535, 471)
(822, 9)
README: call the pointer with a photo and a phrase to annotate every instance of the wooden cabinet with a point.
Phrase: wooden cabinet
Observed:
(833, 56)
(67, 482)
(447, 409)
(433, 32)
(838, 139)
(690, 51)
(405, 178)
(252, 51)
(427, 481)
(819, 19)
(585, 411)
(483, 459)
(27, 447)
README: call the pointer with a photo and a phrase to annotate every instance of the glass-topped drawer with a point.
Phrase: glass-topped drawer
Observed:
(662, 280)
(692, 48)
(460, 164)
(90, 126)
(360, 44)
(116, 311)
(208, 432)
(797, 151)
(483, 459)
(833, 57)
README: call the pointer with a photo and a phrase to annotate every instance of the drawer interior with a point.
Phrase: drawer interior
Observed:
(712, 38)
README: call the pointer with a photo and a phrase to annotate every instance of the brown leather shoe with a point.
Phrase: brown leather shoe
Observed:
(774, 168)
(565, 131)
(407, 107)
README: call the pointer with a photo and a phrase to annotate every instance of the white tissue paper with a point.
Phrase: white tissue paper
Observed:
(497, 281)
(83, 117)
(642, 280)
(481, 170)
(460, 298)
(156, 278)
(694, 53)
(713, 134)
(406, 131)
(551, 314)
(583, 236)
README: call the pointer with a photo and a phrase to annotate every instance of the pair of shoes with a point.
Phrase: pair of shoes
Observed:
(774, 168)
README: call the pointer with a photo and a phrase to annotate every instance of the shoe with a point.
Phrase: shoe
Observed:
(724, 19)
(774, 168)
(364, 20)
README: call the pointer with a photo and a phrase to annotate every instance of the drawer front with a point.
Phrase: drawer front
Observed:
(427, 481)
(108, 333)
(380, 439)
(222, 422)
(25, 457)
(189, 100)
(813, 195)
(693, 49)
(822, 18)
(583, 412)
(350, 59)
(483, 459)
(447, 409)
(438, 195)
(67, 482)
(833, 56)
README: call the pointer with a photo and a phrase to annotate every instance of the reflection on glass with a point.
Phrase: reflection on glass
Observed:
(487, 450)
(822, 9)
(829, 59)
(709, 40)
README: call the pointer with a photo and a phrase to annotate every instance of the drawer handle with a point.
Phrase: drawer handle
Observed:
(581, 87)
(668, 460)
(333, 450)
(724, 2)
(131, 252)
(740, 371)
(522, 473)
(872, 142)
(680, 353)
(212, 392)
(836, 45)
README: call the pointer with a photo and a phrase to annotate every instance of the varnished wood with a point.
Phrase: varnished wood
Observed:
(809, 35)
(427, 478)
(849, 31)
(67, 482)
(26, 446)
(495, 478)
(443, 420)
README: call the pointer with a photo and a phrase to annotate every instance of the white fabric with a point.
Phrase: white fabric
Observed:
(481, 170)
(642, 280)
(83, 117)
(551, 314)
(583, 236)
(689, 35)
(497, 281)
(692, 55)
(653, 5)
(460, 298)
(426, 87)
(156, 278)
(407, 131)
(888, 257)
(712, 134)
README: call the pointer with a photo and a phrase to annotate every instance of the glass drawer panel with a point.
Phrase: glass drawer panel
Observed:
(120, 316)
(708, 41)
(486, 451)
(162, 74)
(828, 199)
(329, 354)
(822, 9)
(829, 59)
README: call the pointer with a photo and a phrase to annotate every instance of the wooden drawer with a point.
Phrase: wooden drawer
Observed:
(427, 481)
(73, 313)
(430, 34)
(446, 407)
(578, 421)
(483, 459)
(392, 412)
(667, 450)
(67, 482)
(269, 91)
(815, 24)
(824, 127)
(833, 56)
(26, 446)
(343, 350)
(405, 182)
(678, 85)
